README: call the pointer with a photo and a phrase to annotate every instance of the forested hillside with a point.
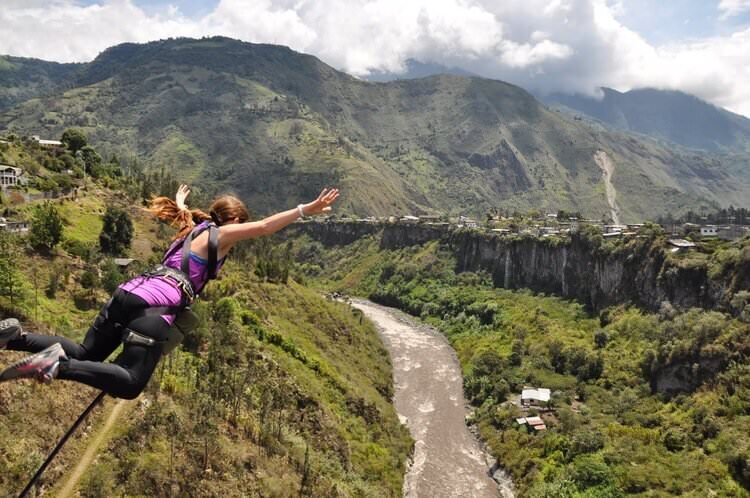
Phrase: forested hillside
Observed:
(643, 404)
(276, 125)
(279, 392)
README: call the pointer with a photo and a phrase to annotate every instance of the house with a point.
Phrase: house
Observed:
(430, 218)
(123, 262)
(709, 231)
(615, 228)
(47, 143)
(681, 244)
(463, 221)
(14, 226)
(535, 423)
(409, 219)
(534, 396)
(11, 176)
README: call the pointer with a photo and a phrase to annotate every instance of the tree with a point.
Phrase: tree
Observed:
(46, 227)
(91, 160)
(10, 281)
(117, 231)
(74, 139)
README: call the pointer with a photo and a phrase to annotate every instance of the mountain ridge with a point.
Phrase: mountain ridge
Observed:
(275, 126)
(667, 114)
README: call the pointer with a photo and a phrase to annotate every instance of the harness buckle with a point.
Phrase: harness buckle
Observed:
(132, 337)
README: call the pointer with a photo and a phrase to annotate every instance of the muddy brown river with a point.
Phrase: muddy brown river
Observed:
(448, 461)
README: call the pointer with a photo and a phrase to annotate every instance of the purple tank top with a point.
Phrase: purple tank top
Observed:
(163, 291)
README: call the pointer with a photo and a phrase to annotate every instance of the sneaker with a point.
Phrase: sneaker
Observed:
(10, 329)
(47, 375)
(40, 365)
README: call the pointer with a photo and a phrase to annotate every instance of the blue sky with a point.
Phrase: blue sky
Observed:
(190, 8)
(700, 47)
(668, 21)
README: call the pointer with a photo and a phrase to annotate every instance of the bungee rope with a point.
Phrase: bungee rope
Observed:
(60, 444)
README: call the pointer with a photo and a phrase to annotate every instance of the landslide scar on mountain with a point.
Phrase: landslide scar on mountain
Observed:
(608, 169)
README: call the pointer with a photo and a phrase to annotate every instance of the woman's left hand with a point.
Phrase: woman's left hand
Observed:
(323, 203)
(181, 195)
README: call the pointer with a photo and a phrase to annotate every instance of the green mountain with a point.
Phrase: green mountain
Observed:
(22, 79)
(670, 115)
(275, 126)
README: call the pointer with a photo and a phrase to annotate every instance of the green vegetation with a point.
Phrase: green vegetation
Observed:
(117, 231)
(277, 393)
(46, 227)
(276, 126)
(642, 405)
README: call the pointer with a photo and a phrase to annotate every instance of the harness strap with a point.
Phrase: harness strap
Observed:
(182, 280)
(213, 249)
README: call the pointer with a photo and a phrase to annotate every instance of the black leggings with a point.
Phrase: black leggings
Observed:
(128, 375)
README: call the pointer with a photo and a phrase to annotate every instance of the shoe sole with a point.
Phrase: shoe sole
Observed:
(10, 329)
(35, 365)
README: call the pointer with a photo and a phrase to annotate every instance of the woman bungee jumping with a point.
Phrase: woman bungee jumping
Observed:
(141, 313)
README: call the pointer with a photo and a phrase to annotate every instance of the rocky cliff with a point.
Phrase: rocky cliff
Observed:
(578, 267)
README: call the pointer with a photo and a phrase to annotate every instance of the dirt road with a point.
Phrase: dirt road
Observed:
(100, 438)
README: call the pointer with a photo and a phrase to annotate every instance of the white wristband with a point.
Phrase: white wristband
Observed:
(300, 211)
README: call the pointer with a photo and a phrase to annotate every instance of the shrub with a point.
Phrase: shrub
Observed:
(675, 439)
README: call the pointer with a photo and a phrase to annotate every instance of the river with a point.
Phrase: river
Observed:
(448, 461)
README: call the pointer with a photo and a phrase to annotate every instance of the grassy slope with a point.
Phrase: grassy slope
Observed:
(304, 377)
(316, 377)
(609, 435)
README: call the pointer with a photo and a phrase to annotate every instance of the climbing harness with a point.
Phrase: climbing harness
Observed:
(60, 444)
(185, 319)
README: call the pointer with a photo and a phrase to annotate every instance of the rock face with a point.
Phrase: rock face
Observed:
(577, 268)
(340, 233)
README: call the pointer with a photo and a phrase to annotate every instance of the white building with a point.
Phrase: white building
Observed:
(709, 231)
(47, 143)
(535, 396)
(14, 226)
(11, 176)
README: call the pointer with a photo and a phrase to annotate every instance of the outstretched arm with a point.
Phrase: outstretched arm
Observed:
(233, 233)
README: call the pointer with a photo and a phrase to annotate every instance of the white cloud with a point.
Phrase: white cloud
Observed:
(730, 8)
(558, 45)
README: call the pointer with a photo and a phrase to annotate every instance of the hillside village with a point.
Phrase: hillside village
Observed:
(552, 224)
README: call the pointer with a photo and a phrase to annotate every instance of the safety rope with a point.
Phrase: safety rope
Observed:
(60, 444)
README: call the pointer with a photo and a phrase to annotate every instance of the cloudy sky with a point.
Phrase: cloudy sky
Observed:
(698, 46)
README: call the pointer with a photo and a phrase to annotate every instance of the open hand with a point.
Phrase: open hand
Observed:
(181, 195)
(323, 203)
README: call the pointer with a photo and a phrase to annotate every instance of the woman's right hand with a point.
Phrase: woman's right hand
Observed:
(323, 203)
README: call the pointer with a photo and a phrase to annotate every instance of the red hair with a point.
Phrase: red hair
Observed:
(224, 209)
